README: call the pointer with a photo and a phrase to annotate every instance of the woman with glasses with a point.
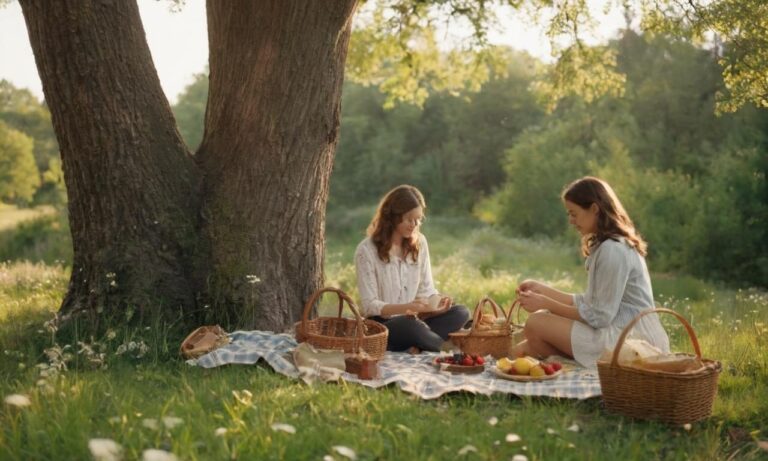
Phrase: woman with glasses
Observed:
(394, 277)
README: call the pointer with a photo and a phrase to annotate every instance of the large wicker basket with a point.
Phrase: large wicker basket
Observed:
(496, 341)
(676, 398)
(349, 335)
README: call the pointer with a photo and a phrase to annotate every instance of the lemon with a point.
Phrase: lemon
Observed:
(537, 371)
(504, 364)
(523, 365)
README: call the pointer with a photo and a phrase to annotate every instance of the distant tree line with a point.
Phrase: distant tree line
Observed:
(30, 166)
(694, 182)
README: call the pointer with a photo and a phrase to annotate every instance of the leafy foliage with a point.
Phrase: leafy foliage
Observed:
(22, 112)
(189, 110)
(694, 183)
(18, 174)
(740, 28)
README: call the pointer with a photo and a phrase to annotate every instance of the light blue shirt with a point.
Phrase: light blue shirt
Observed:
(618, 289)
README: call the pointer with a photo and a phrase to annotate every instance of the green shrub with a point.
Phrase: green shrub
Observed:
(44, 239)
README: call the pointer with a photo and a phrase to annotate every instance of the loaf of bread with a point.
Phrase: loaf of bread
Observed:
(672, 363)
(632, 351)
(638, 353)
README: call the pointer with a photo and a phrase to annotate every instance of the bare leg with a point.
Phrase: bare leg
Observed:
(545, 334)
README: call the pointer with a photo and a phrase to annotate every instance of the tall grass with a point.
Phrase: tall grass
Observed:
(82, 388)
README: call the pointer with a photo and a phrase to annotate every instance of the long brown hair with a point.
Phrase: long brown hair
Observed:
(389, 214)
(613, 222)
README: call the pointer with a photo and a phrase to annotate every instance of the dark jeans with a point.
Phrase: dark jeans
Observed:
(406, 331)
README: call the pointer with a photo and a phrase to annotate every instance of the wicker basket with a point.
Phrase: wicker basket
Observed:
(495, 342)
(203, 340)
(676, 398)
(349, 335)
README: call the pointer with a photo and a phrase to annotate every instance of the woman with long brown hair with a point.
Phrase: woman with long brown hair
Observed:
(582, 326)
(394, 277)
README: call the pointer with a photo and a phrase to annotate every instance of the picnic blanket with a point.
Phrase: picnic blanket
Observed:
(414, 374)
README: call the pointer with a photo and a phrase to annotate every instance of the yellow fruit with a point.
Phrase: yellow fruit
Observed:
(523, 365)
(537, 371)
(504, 364)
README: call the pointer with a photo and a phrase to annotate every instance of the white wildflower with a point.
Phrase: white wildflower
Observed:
(551, 431)
(114, 420)
(18, 400)
(519, 458)
(252, 279)
(513, 438)
(220, 431)
(687, 426)
(345, 451)
(51, 325)
(493, 420)
(171, 421)
(466, 449)
(284, 427)
(574, 428)
(105, 450)
(153, 454)
(150, 423)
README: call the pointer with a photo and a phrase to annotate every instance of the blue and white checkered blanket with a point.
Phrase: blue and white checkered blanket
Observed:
(415, 374)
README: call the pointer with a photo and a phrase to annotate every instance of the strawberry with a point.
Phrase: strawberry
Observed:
(467, 361)
(557, 366)
(512, 371)
(479, 360)
(548, 368)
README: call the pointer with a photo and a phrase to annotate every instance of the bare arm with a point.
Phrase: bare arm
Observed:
(532, 301)
(554, 294)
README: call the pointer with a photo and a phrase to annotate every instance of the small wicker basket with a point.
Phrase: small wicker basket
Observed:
(203, 340)
(676, 398)
(349, 335)
(495, 341)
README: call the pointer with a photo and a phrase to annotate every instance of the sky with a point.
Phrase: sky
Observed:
(178, 41)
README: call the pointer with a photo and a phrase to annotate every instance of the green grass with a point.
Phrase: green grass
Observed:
(113, 395)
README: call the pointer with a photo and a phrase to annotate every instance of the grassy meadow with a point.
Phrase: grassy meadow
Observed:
(130, 386)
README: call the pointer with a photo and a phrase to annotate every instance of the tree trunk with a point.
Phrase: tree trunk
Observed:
(130, 179)
(271, 130)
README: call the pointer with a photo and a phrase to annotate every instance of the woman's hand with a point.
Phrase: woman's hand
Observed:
(417, 306)
(532, 301)
(442, 306)
(529, 285)
(445, 303)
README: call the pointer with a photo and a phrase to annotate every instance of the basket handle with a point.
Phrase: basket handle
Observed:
(479, 311)
(625, 332)
(342, 297)
(516, 302)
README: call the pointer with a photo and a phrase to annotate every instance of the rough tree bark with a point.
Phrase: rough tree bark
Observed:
(271, 130)
(129, 177)
(173, 229)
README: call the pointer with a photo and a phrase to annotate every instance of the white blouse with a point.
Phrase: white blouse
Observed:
(395, 282)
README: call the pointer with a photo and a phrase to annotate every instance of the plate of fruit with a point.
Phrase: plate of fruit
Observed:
(460, 363)
(527, 369)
